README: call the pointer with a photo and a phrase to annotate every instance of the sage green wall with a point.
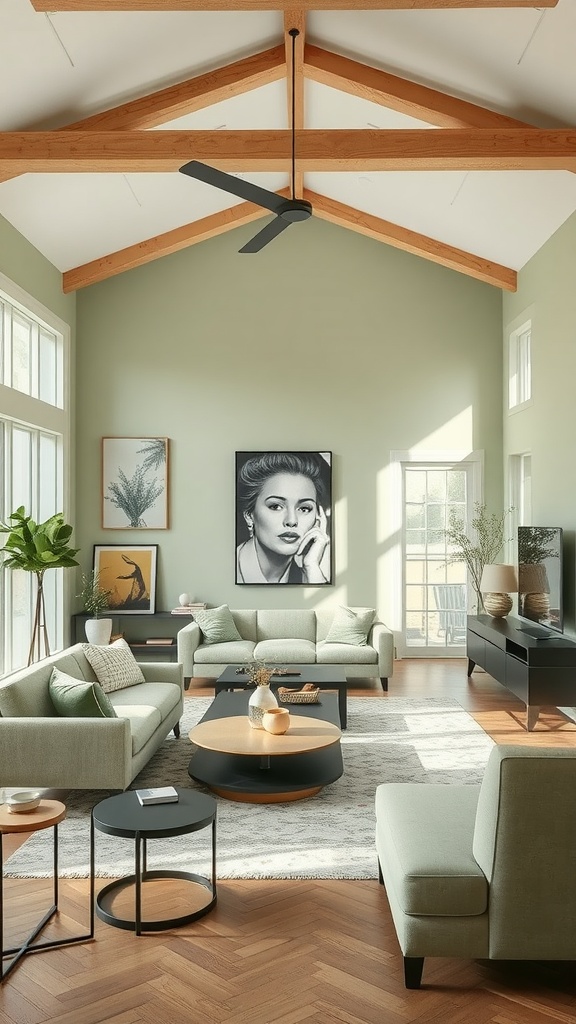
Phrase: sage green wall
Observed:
(547, 426)
(325, 341)
(27, 267)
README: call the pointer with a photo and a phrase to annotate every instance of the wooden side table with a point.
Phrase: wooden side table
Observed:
(47, 815)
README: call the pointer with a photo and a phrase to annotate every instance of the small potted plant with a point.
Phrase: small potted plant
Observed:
(95, 599)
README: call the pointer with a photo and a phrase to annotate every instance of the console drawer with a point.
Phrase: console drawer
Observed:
(495, 662)
(517, 677)
(475, 648)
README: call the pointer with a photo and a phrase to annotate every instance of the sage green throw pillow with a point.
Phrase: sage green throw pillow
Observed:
(351, 627)
(217, 625)
(78, 698)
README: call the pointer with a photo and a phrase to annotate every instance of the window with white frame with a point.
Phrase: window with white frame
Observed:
(34, 446)
(520, 366)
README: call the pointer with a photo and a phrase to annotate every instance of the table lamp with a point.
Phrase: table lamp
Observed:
(496, 585)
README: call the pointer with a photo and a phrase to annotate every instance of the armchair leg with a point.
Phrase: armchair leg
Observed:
(176, 730)
(187, 680)
(384, 682)
(413, 967)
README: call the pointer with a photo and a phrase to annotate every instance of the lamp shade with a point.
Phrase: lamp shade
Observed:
(499, 579)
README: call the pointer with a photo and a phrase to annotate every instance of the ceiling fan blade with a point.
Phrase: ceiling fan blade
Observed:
(237, 186)
(267, 234)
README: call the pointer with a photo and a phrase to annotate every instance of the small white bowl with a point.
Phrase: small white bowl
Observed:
(26, 800)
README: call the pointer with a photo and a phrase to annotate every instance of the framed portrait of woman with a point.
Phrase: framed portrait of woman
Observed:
(284, 518)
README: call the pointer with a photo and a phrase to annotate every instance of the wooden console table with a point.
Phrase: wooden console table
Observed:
(539, 672)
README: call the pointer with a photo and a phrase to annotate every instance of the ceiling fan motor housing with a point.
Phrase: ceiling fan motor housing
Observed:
(295, 209)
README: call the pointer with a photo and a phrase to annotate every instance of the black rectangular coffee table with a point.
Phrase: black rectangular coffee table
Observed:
(326, 677)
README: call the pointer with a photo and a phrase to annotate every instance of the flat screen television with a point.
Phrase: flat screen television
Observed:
(540, 576)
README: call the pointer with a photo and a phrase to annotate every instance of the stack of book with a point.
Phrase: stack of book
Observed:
(161, 641)
(188, 609)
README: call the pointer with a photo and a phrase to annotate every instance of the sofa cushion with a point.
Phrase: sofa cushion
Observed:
(245, 619)
(115, 666)
(163, 696)
(345, 654)
(424, 840)
(351, 626)
(286, 624)
(229, 654)
(292, 652)
(217, 625)
(144, 720)
(78, 698)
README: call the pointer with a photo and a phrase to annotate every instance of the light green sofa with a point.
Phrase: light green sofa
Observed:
(289, 637)
(41, 750)
(483, 871)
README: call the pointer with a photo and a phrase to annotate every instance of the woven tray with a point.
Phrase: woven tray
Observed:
(299, 697)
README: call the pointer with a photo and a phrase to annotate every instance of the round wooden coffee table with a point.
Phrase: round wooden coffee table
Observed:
(252, 765)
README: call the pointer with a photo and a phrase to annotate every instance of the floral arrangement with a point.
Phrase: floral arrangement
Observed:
(259, 673)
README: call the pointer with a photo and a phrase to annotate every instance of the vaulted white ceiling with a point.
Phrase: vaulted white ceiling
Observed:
(61, 67)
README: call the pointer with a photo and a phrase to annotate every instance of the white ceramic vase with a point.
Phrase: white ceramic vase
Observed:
(184, 600)
(261, 700)
(98, 631)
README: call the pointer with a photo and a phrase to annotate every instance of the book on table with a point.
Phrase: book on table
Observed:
(160, 795)
(188, 609)
(161, 641)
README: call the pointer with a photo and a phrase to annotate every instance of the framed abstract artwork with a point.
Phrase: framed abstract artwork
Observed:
(135, 483)
(284, 518)
(128, 572)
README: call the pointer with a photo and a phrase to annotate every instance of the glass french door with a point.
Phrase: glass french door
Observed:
(435, 593)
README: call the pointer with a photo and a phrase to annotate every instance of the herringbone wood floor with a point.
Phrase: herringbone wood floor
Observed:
(282, 952)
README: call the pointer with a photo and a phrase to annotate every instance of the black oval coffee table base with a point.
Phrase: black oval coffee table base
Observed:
(119, 884)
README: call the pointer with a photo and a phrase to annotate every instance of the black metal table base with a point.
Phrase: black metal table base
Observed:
(126, 818)
(16, 953)
(136, 924)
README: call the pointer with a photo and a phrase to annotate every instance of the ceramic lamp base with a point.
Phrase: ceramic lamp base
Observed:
(497, 605)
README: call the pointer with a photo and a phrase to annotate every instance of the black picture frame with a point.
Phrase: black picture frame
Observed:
(270, 533)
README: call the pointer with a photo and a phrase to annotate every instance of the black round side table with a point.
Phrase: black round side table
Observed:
(124, 815)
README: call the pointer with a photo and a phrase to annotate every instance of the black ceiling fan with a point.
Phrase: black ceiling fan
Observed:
(287, 210)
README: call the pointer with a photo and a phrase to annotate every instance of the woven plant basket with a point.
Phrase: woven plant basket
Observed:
(299, 697)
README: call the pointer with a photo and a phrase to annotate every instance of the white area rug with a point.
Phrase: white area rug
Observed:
(328, 836)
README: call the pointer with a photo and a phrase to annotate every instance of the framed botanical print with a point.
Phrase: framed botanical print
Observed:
(284, 518)
(135, 483)
(128, 573)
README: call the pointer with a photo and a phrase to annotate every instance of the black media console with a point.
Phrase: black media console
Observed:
(540, 672)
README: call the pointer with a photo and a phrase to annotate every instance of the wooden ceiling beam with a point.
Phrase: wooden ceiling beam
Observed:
(194, 94)
(297, 20)
(411, 241)
(400, 94)
(278, 5)
(319, 150)
(326, 209)
(163, 245)
(158, 108)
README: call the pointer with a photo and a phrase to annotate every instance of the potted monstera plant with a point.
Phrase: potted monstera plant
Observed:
(95, 599)
(37, 547)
